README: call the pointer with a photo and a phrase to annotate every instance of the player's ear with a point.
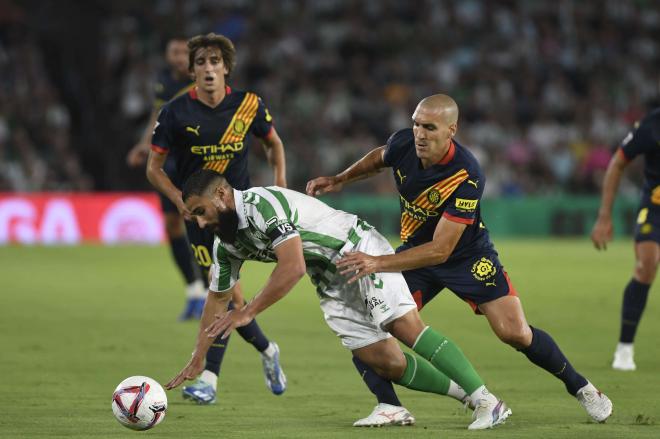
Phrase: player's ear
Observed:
(453, 128)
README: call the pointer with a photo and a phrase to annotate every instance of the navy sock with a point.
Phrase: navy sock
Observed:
(183, 258)
(634, 302)
(252, 334)
(215, 354)
(378, 385)
(545, 353)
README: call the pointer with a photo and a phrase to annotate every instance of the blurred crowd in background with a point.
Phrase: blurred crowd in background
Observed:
(546, 89)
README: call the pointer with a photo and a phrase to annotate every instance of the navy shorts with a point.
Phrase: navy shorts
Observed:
(170, 169)
(477, 279)
(201, 241)
(648, 224)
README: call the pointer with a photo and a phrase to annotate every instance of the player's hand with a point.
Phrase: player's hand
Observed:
(323, 185)
(194, 367)
(358, 264)
(602, 233)
(137, 156)
(183, 210)
(227, 322)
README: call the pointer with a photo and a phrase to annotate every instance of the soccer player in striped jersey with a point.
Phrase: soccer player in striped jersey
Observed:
(446, 245)
(209, 127)
(302, 234)
(173, 81)
(643, 141)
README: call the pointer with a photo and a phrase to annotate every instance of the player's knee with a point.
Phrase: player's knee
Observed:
(518, 336)
(391, 367)
(645, 271)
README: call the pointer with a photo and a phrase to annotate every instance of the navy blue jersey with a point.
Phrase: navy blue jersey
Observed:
(451, 188)
(644, 140)
(199, 136)
(167, 87)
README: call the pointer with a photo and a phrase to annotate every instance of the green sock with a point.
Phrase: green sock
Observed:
(421, 375)
(448, 359)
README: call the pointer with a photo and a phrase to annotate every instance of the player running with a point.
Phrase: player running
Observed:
(173, 81)
(644, 140)
(303, 234)
(446, 245)
(208, 128)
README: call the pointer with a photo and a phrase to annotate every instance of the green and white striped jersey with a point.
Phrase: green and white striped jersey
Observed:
(268, 216)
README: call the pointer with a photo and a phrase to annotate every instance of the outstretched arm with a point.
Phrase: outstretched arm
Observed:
(288, 271)
(274, 149)
(216, 305)
(445, 237)
(370, 164)
(602, 231)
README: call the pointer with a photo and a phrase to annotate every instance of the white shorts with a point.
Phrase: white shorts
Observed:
(359, 312)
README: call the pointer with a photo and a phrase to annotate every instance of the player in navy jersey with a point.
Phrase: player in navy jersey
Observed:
(644, 141)
(209, 128)
(446, 245)
(173, 81)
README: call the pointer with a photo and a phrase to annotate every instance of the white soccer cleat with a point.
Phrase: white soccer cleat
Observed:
(386, 414)
(596, 403)
(489, 413)
(624, 357)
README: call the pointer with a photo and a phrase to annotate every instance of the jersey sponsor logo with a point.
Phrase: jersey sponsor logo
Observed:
(483, 269)
(284, 228)
(193, 130)
(467, 205)
(416, 212)
(271, 221)
(220, 148)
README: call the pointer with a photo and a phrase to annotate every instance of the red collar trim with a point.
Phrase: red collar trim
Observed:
(193, 91)
(449, 156)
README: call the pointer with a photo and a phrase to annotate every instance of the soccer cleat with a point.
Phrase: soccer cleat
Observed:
(386, 414)
(624, 357)
(200, 392)
(198, 308)
(192, 310)
(488, 413)
(594, 402)
(275, 378)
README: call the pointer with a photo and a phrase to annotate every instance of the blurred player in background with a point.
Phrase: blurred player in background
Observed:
(644, 140)
(302, 234)
(173, 81)
(208, 128)
(446, 245)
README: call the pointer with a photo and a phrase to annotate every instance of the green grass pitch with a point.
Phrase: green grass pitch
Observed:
(77, 321)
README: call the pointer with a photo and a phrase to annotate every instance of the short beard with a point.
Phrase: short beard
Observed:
(228, 226)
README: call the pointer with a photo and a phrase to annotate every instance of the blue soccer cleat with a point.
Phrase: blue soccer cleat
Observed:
(275, 378)
(200, 392)
(193, 310)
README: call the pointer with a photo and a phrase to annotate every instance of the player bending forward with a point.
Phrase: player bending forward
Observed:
(303, 234)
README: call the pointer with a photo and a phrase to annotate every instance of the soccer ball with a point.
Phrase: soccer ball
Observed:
(139, 403)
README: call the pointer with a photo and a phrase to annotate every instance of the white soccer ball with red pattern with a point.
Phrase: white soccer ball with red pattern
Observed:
(139, 403)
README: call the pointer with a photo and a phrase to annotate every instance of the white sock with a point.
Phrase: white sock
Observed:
(195, 290)
(456, 391)
(482, 393)
(270, 350)
(210, 378)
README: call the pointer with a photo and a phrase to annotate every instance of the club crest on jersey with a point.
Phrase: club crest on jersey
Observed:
(433, 196)
(655, 195)
(239, 126)
(483, 269)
